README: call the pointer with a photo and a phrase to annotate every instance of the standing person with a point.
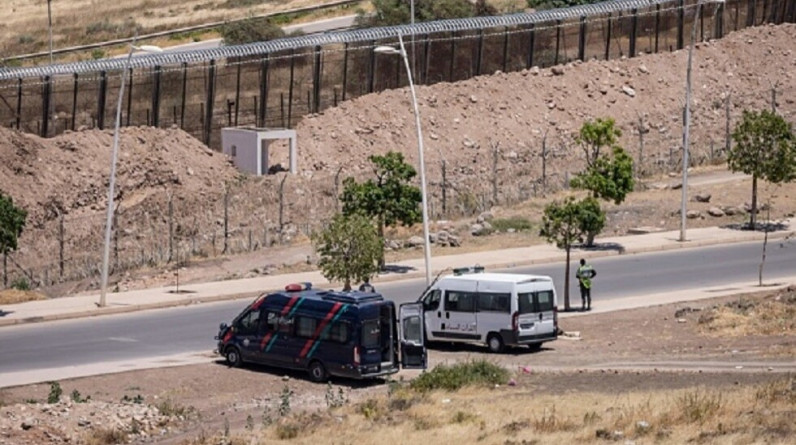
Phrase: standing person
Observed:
(366, 286)
(585, 274)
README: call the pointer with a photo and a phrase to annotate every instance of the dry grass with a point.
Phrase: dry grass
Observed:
(24, 27)
(14, 296)
(515, 415)
(775, 315)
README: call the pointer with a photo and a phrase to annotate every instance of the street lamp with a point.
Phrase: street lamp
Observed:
(426, 241)
(687, 116)
(114, 155)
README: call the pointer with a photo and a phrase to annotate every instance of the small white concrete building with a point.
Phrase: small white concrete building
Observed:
(248, 147)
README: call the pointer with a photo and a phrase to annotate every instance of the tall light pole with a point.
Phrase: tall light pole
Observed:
(687, 117)
(114, 156)
(412, 22)
(426, 241)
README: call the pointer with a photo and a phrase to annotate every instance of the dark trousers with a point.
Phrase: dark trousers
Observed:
(585, 296)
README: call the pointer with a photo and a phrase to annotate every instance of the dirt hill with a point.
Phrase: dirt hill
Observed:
(489, 130)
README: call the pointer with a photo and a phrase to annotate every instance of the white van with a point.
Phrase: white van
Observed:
(498, 309)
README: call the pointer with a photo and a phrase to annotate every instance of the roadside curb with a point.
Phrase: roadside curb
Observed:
(560, 256)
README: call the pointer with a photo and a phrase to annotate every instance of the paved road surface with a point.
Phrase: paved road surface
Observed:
(148, 336)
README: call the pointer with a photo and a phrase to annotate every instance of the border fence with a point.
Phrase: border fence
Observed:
(275, 83)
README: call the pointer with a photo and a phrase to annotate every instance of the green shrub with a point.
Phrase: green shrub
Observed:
(517, 223)
(250, 30)
(25, 39)
(21, 283)
(97, 54)
(78, 398)
(55, 392)
(452, 378)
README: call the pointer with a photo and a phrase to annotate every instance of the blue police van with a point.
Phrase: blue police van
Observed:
(327, 333)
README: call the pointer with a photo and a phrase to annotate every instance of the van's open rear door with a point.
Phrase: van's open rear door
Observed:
(413, 347)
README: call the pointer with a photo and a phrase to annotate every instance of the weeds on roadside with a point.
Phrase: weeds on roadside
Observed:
(77, 398)
(454, 377)
(284, 401)
(137, 399)
(698, 406)
(170, 409)
(335, 400)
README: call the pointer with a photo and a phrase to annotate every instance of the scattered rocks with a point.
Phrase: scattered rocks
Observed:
(715, 212)
(702, 197)
(557, 70)
(629, 91)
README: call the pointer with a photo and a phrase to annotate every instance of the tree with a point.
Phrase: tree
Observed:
(349, 249)
(562, 224)
(12, 221)
(253, 29)
(608, 177)
(390, 199)
(765, 148)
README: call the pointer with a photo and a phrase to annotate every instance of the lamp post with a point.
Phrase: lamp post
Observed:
(114, 156)
(426, 241)
(687, 117)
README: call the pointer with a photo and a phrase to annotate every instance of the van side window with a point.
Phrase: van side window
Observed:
(272, 321)
(526, 302)
(494, 302)
(338, 332)
(544, 301)
(250, 323)
(431, 300)
(305, 327)
(460, 301)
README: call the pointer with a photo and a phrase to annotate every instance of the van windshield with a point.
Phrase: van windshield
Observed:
(371, 334)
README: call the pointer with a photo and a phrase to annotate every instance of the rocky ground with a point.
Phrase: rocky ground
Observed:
(180, 202)
(723, 343)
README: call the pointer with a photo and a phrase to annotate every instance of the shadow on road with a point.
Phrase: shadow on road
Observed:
(604, 247)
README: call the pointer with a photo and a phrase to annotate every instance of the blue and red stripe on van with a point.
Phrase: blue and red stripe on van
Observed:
(312, 344)
(289, 309)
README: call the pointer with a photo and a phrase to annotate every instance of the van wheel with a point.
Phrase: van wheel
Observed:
(317, 372)
(494, 343)
(233, 357)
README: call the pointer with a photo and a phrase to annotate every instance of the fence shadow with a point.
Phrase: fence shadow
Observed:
(396, 268)
(759, 227)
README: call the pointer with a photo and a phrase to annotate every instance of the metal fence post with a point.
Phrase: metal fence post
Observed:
(453, 56)
(263, 93)
(480, 52)
(103, 86)
(750, 12)
(372, 66)
(130, 97)
(680, 22)
(608, 37)
(237, 91)
(290, 88)
(505, 49)
(582, 39)
(46, 93)
(558, 40)
(74, 101)
(19, 103)
(184, 92)
(316, 81)
(156, 96)
(633, 31)
(345, 69)
(531, 37)
(657, 26)
(211, 93)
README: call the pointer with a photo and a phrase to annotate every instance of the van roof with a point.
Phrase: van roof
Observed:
(502, 277)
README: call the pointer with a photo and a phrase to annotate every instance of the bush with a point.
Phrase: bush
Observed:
(517, 223)
(452, 378)
(20, 284)
(250, 30)
(55, 392)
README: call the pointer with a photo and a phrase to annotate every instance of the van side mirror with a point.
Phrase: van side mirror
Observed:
(222, 326)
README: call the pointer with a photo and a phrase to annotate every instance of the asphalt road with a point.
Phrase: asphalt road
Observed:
(158, 333)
